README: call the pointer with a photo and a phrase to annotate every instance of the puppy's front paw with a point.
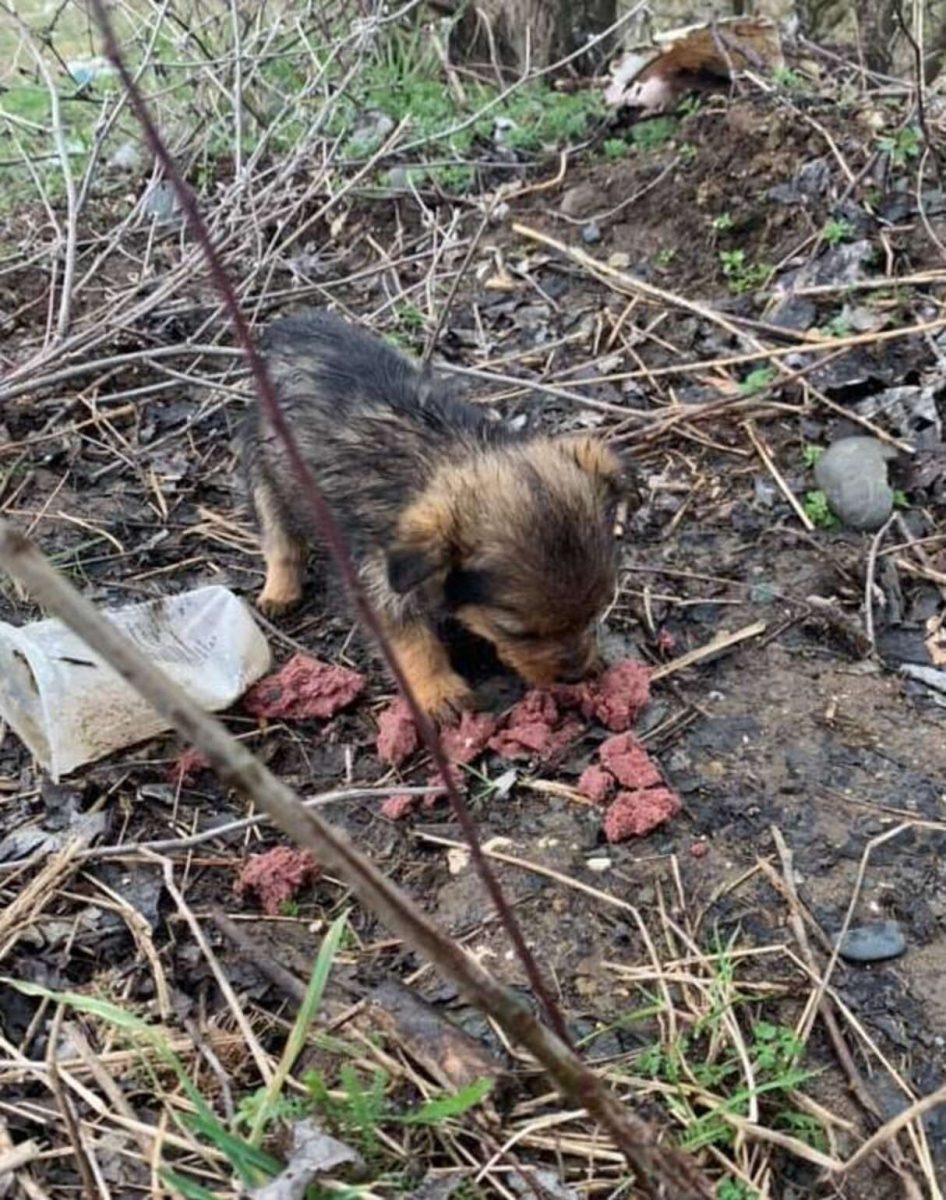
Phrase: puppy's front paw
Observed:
(273, 601)
(442, 696)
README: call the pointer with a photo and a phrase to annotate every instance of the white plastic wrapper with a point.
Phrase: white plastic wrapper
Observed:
(70, 708)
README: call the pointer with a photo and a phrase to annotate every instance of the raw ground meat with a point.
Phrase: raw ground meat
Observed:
(617, 698)
(398, 738)
(634, 814)
(304, 687)
(277, 876)
(187, 766)
(395, 808)
(627, 760)
(466, 741)
(532, 729)
(596, 784)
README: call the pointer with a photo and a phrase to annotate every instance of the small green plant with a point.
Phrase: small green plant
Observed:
(691, 106)
(722, 223)
(816, 506)
(663, 258)
(837, 230)
(743, 276)
(811, 454)
(900, 499)
(654, 133)
(410, 317)
(757, 380)
(615, 148)
(788, 79)
(688, 153)
(803, 1126)
(839, 326)
(735, 1189)
(902, 145)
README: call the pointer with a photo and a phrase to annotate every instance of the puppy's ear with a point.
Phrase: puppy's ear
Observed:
(613, 472)
(423, 547)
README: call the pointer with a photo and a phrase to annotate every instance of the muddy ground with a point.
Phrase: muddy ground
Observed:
(797, 732)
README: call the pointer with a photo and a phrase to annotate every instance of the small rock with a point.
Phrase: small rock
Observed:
(591, 233)
(127, 157)
(794, 312)
(161, 202)
(764, 593)
(579, 200)
(852, 473)
(873, 943)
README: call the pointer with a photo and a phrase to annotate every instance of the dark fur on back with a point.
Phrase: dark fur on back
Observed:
(371, 425)
(446, 512)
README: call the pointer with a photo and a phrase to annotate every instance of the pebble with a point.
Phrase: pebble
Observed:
(591, 233)
(852, 473)
(764, 593)
(161, 202)
(127, 157)
(580, 200)
(873, 943)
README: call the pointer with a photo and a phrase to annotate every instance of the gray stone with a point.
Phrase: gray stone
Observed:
(873, 943)
(591, 233)
(161, 202)
(852, 473)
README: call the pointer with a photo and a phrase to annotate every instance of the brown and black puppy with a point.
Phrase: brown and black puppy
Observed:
(446, 512)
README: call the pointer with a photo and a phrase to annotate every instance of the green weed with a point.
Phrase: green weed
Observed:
(757, 380)
(839, 326)
(837, 230)
(654, 133)
(902, 145)
(788, 79)
(811, 454)
(742, 275)
(615, 148)
(815, 505)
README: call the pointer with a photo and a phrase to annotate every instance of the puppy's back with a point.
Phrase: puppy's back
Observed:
(371, 425)
(316, 358)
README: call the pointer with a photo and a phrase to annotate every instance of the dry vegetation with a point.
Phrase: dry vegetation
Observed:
(159, 1035)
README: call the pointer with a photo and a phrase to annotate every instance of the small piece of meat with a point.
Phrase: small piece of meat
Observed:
(629, 762)
(398, 737)
(187, 766)
(596, 783)
(277, 876)
(634, 814)
(395, 808)
(619, 695)
(304, 687)
(464, 742)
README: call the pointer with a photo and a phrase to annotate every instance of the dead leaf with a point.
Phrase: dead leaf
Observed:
(935, 641)
(449, 1054)
(314, 1154)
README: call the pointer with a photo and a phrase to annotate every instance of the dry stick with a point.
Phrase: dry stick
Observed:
(767, 461)
(663, 1172)
(719, 644)
(875, 544)
(325, 522)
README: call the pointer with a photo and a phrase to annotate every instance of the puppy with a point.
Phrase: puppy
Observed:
(447, 513)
